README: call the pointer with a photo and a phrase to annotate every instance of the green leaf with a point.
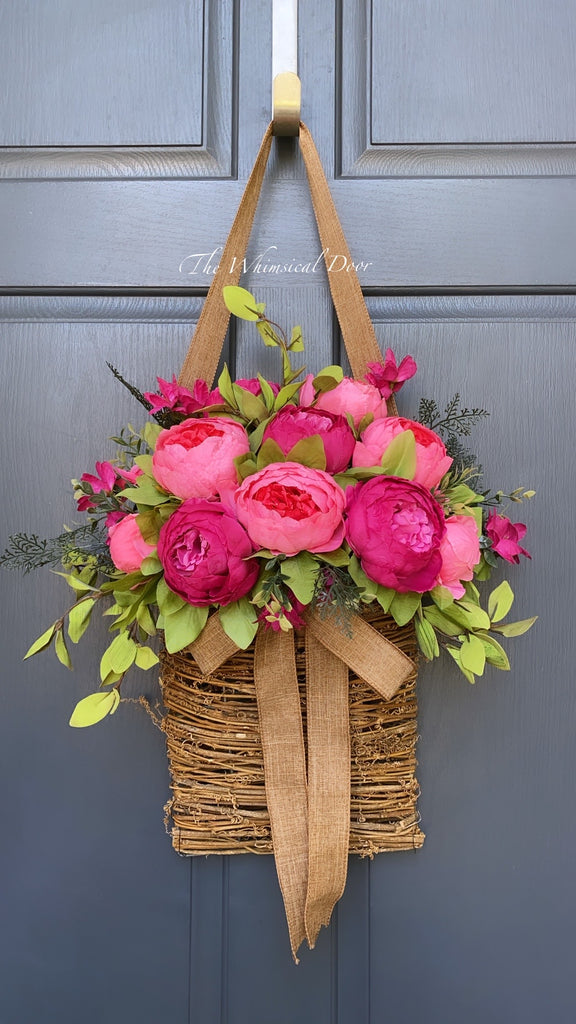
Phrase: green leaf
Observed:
(151, 433)
(270, 452)
(268, 334)
(473, 655)
(151, 565)
(251, 406)
(239, 622)
(119, 656)
(515, 628)
(440, 621)
(94, 708)
(404, 607)
(427, 639)
(78, 585)
(495, 653)
(61, 649)
(183, 626)
(145, 464)
(442, 597)
(367, 587)
(240, 302)
(296, 341)
(385, 596)
(285, 394)
(469, 614)
(399, 459)
(149, 524)
(340, 557)
(146, 658)
(333, 371)
(500, 601)
(41, 643)
(145, 620)
(79, 618)
(366, 420)
(226, 388)
(455, 652)
(168, 602)
(145, 492)
(300, 573)
(267, 393)
(309, 451)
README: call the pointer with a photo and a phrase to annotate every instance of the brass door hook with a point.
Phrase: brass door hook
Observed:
(286, 89)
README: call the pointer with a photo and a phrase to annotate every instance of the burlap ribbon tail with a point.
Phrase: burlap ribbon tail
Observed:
(308, 798)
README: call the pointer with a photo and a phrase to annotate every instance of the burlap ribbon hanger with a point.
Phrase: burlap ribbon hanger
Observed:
(308, 798)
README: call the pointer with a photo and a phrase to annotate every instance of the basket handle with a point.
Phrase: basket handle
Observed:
(357, 331)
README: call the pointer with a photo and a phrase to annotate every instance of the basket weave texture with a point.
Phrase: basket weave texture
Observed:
(218, 802)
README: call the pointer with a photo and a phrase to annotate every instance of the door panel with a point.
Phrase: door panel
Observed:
(102, 203)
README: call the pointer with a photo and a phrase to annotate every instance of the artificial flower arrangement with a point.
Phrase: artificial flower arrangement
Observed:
(262, 500)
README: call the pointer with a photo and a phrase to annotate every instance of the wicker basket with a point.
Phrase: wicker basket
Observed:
(219, 801)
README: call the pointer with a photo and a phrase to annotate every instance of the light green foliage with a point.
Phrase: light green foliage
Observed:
(399, 459)
(239, 622)
(300, 573)
(42, 642)
(183, 626)
(240, 302)
(94, 708)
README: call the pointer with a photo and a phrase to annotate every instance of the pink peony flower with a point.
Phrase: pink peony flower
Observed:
(172, 396)
(128, 549)
(505, 536)
(432, 462)
(387, 376)
(349, 396)
(289, 508)
(395, 527)
(253, 385)
(205, 554)
(293, 423)
(195, 459)
(460, 551)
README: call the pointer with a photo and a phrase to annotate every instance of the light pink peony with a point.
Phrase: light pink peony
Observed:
(460, 551)
(195, 459)
(294, 423)
(289, 508)
(432, 462)
(128, 549)
(349, 396)
(395, 527)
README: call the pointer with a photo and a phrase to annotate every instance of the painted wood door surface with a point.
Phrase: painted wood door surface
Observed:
(446, 129)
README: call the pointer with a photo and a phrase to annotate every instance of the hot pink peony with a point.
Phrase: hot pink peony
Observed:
(293, 423)
(505, 536)
(349, 396)
(460, 551)
(128, 549)
(195, 459)
(395, 527)
(289, 508)
(205, 553)
(432, 462)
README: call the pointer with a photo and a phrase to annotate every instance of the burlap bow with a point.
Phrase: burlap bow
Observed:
(308, 805)
(309, 799)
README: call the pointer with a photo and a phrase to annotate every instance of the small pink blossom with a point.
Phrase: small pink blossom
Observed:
(128, 549)
(282, 617)
(180, 399)
(460, 551)
(505, 536)
(387, 376)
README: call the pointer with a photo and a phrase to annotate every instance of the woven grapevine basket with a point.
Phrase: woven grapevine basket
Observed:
(217, 771)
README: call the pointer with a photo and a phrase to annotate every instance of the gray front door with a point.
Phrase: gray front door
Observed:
(446, 129)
